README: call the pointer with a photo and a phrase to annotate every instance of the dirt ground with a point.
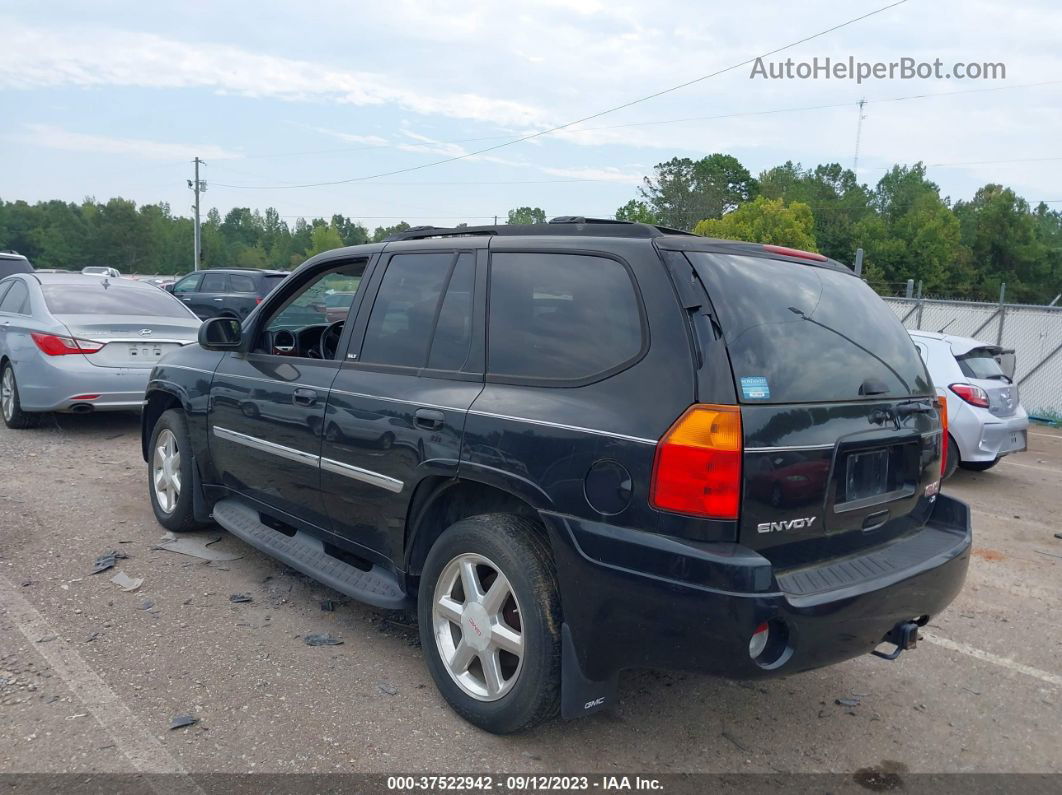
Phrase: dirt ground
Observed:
(91, 676)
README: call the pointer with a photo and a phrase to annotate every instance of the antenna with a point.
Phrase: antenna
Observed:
(859, 135)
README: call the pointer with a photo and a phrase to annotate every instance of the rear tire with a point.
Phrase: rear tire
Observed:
(978, 466)
(170, 482)
(953, 458)
(525, 688)
(10, 405)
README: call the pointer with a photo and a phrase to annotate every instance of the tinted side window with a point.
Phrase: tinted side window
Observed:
(453, 330)
(188, 284)
(15, 299)
(561, 316)
(403, 313)
(214, 283)
(241, 284)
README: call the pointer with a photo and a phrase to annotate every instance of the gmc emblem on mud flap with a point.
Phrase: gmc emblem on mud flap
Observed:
(597, 702)
(788, 524)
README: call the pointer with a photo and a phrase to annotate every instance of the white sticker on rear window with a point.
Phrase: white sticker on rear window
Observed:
(755, 387)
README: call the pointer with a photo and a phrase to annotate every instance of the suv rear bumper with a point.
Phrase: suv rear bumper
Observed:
(638, 600)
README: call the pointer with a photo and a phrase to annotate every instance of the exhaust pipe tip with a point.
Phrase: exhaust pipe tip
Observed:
(82, 408)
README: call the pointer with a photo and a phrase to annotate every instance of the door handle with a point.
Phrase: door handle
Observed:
(429, 419)
(303, 397)
(219, 299)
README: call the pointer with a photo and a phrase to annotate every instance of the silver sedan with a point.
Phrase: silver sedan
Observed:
(70, 342)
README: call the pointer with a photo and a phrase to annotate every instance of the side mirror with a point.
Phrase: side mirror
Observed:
(168, 287)
(220, 334)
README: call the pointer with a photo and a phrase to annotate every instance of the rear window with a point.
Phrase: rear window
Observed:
(981, 363)
(9, 265)
(271, 281)
(800, 333)
(95, 299)
(561, 317)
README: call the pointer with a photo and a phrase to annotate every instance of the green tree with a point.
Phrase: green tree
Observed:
(683, 191)
(527, 215)
(765, 220)
(324, 237)
(835, 196)
(383, 232)
(637, 211)
(351, 232)
(914, 234)
(1007, 243)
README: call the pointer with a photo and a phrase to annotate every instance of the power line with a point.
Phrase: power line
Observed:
(739, 114)
(685, 119)
(596, 115)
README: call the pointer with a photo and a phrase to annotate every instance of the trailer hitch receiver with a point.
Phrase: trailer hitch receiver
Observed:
(903, 636)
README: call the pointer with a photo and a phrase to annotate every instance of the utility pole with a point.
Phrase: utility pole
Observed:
(859, 134)
(199, 186)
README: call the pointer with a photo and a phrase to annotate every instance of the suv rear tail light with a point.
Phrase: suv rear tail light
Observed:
(973, 395)
(942, 406)
(698, 464)
(54, 345)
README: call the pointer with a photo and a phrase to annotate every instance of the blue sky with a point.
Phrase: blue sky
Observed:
(114, 98)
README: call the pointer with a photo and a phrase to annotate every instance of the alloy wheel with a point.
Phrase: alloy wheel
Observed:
(166, 471)
(7, 394)
(477, 627)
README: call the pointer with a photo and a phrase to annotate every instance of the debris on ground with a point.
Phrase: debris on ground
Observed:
(387, 689)
(321, 639)
(328, 605)
(195, 546)
(107, 561)
(127, 583)
(147, 604)
(47, 638)
(241, 597)
(1057, 535)
(1049, 554)
(180, 721)
(92, 637)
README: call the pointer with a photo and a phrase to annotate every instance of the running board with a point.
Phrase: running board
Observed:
(303, 552)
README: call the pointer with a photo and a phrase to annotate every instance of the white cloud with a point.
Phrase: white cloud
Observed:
(52, 137)
(351, 138)
(41, 58)
(597, 174)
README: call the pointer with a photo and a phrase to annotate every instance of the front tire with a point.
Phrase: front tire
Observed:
(489, 614)
(170, 472)
(10, 405)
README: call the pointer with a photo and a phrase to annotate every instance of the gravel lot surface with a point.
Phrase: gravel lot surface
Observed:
(91, 676)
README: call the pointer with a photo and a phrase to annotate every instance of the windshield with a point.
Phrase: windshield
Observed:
(981, 363)
(800, 333)
(96, 299)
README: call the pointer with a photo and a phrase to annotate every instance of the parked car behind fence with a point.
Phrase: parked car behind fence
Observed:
(986, 421)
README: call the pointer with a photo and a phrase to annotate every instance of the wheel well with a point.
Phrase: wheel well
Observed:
(439, 502)
(157, 403)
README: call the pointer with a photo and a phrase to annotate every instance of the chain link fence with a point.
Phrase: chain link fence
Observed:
(1034, 333)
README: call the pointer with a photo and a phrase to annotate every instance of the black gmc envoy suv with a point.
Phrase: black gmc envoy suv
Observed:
(575, 448)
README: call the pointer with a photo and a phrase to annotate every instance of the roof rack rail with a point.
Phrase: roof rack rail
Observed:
(561, 225)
